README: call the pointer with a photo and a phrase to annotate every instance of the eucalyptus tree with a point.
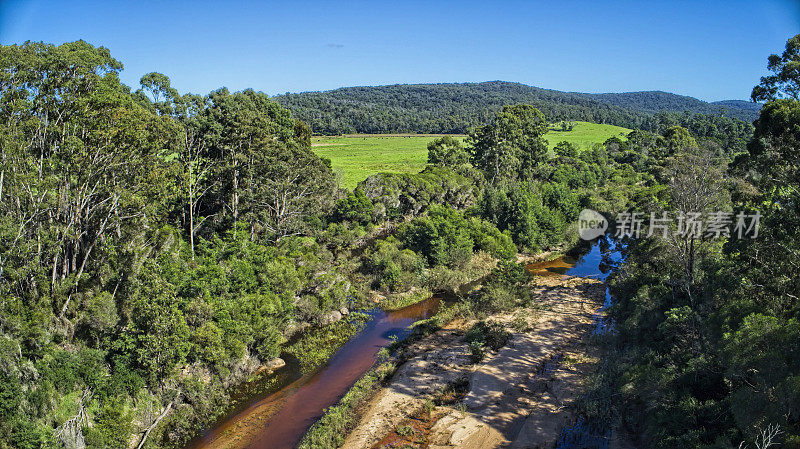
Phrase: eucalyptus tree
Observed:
(289, 185)
(81, 158)
(512, 145)
(447, 151)
(235, 126)
(785, 79)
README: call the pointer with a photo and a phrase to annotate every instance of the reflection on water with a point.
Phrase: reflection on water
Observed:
(555, 267)
(582, 435)
(602, 258)
(284, 416)
(597, 263)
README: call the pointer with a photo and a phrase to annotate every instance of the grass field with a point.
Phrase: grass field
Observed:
(585, 134)
(357, 156)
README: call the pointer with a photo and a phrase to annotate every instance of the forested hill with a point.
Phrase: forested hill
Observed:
(655, 101)
(452, 108)
(740, 104)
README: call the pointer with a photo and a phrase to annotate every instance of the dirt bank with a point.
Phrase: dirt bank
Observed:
(519, 396)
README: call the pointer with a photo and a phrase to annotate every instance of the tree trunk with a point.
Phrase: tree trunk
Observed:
(155, 423)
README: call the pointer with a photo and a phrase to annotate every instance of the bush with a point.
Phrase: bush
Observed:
(561, 198)
(489, 239)
(342, 235)
(484, 335)
(520, 210)
(113, 425)
(493, 299)
(397, 194)
(503, 289)
(448, 238)
(395, 270)
(477, 351)
(356, 207)
(441, 236)
(444, 279)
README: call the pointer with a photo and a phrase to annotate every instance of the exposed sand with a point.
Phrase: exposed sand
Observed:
(518, 397)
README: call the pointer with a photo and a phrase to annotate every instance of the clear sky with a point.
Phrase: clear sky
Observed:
(712, 49)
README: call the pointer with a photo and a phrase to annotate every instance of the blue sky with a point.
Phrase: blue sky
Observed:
(712, 50)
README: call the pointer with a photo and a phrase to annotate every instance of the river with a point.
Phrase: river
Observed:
(285, 415)
(279, 420)
(601, 259)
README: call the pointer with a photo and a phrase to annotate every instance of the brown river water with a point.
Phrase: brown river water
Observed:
(279, 420)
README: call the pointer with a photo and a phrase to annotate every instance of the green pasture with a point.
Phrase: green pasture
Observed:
(354, 157)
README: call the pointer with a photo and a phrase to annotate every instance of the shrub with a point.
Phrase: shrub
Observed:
(112, 427)
(405, 431)
(477, 351)
(448, 238)
(488, 238)
(484, 335)
(397, 194)
(503, 289)
(520, 210)
(355, 207)
(441, 236)
(395, 270)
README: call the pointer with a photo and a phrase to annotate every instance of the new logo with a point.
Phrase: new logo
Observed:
(591, 224)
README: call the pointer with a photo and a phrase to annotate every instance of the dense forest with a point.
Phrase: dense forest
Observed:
(454, 108)
(158, 249)
(657, 101)
(707, 343)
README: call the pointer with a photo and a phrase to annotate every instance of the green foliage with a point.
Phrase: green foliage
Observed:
(504, 289)
(477, 351)
(520, 210)
(395, 269)
(158, 326)
(486, 237)
(440, 237)
(447, 238)
(394, 195)
(492, 334)
(156, 246)
(355, 207)
(705, 337)
(314, 349)
(112, 427)
(566, 149)
(511, 146)
(483, 335)
(785, 80)
(160, 235)
(448, 152)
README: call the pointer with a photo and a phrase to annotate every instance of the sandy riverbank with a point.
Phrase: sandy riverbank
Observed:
(519, 396)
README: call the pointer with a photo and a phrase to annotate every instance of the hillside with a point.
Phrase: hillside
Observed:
(740, 104)
(453, 108)
(656, 101)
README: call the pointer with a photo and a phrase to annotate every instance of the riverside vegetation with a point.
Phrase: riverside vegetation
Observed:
(157, 249)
